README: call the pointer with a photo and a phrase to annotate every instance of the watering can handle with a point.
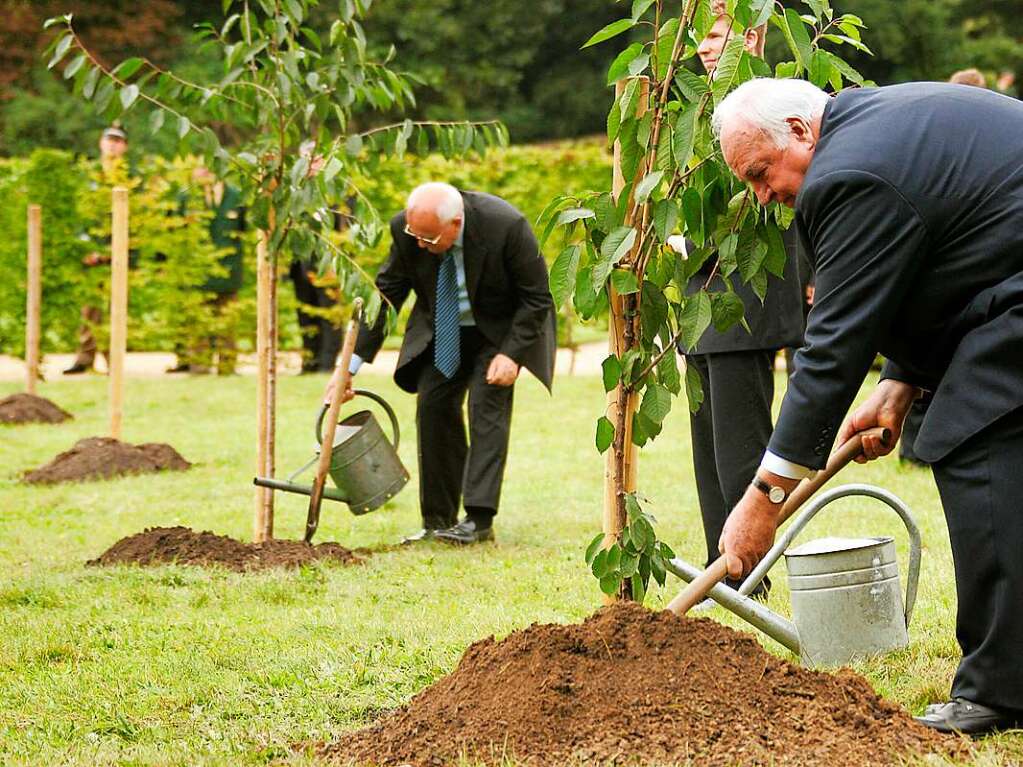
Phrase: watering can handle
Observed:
(718, 569)
(376, 398)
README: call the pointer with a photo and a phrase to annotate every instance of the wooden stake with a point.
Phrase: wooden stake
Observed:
(118, 305)
(263, 528)
(622, 452)
(33, 301)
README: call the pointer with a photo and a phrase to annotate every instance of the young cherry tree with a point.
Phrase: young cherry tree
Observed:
(292, 120)
(671, 179)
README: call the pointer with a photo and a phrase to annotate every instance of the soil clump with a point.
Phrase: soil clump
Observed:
(632, 686)
(28, 408)
(183, 546)
(103, 458)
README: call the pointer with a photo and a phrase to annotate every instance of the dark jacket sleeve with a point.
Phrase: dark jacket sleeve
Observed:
(394, 283)
(868, 241)
(529, 275)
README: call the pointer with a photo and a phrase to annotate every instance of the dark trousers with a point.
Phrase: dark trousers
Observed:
(730, 431)
(85, 354)
(981, 484)
(451, 468)
(320, 338)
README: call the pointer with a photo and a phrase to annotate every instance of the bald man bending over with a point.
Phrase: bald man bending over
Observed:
(483, 311)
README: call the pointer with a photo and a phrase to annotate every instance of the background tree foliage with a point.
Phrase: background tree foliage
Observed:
(516, 60)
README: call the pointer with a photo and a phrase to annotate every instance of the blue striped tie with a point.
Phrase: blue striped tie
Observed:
(446, 334)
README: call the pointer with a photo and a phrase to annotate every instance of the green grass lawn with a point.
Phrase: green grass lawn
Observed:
(178, 665)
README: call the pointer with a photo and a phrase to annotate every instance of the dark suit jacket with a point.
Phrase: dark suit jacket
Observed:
(506, 278)
(912, 212)
(775, 324)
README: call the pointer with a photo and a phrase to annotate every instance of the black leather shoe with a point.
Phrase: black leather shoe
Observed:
(76, 369)
(967, 717)
(425, 534)
(466, 532)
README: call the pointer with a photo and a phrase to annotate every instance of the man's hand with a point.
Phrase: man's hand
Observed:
(503, 371)
(749, 532)
(887, 406)
(347, 394)
(94, 259)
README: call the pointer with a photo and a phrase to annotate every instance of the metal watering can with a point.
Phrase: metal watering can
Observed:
(364, 465)
(846, 597)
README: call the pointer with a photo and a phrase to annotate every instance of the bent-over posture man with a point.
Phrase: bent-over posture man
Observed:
(909, 200)
(483, 309)
(731, 429)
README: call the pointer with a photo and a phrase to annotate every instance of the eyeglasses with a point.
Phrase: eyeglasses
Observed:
(427, 240)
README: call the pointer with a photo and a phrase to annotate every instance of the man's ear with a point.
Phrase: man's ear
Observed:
(751, 41)
(801, 130)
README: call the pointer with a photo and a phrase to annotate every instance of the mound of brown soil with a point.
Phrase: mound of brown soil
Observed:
(166, 545)
(631, 686)
(28, 408)
(102, 458)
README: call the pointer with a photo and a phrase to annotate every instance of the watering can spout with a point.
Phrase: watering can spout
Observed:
(750, 610)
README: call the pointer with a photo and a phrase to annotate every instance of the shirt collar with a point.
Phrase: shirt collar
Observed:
(461, 235)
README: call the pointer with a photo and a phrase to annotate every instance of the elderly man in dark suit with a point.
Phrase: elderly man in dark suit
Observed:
(483, 310)
(731, 429)
(909, 200)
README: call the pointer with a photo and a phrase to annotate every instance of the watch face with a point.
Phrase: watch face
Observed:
(776, 494)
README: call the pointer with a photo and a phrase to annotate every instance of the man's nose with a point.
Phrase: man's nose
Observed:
(763, 192)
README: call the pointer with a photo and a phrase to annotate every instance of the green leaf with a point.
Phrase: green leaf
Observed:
(183, 127)
(620, 66)
(817, 6)
(639, 64)
(656, 403)
(563, 272)
(638, 588)
(599, 564)
(727, 262)
(653, 310)
(617, 245)
(694, 388)
(667, 373)
(89, 86)
(820, 68)
(610, 584)
(761, 11)
(353, 144)
(695, 319)
(639, 7)
(657, 569)
(665, 218)
(632, 508)
(613, 29)
(759, 285)
(692, 204)
(797, 37)
(127, 68)
(647, 186)
(128, 95)
(156, 120)
(595, 546)
(726, 73)
(614, 123)
(605, 434)
(72, 69)
(726, 310)
(630, 98)
(611, 371)
(574, 214)
(61, 50)
(684, 136)
(692, 86)
(624, 282)
(65, 19)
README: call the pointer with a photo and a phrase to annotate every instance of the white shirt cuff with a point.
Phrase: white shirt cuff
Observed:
(778, 465)
(355, 364)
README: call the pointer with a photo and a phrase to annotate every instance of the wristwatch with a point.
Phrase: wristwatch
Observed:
(774, 493)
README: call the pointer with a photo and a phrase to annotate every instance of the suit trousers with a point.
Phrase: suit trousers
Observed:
(981, 484)
(730, 431)
(451, 468)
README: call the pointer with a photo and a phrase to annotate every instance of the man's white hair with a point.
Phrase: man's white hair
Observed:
(443, 199)
(765, 104)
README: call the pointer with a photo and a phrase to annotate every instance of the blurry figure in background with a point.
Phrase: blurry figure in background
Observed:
(971, 76)
(1006, 83)
(317, 297)
(227, 225)
(113, 144)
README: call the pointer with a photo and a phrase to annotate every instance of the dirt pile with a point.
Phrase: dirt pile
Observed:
(28, 408)
(102, 458)
(166, 545)
(631, 686)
